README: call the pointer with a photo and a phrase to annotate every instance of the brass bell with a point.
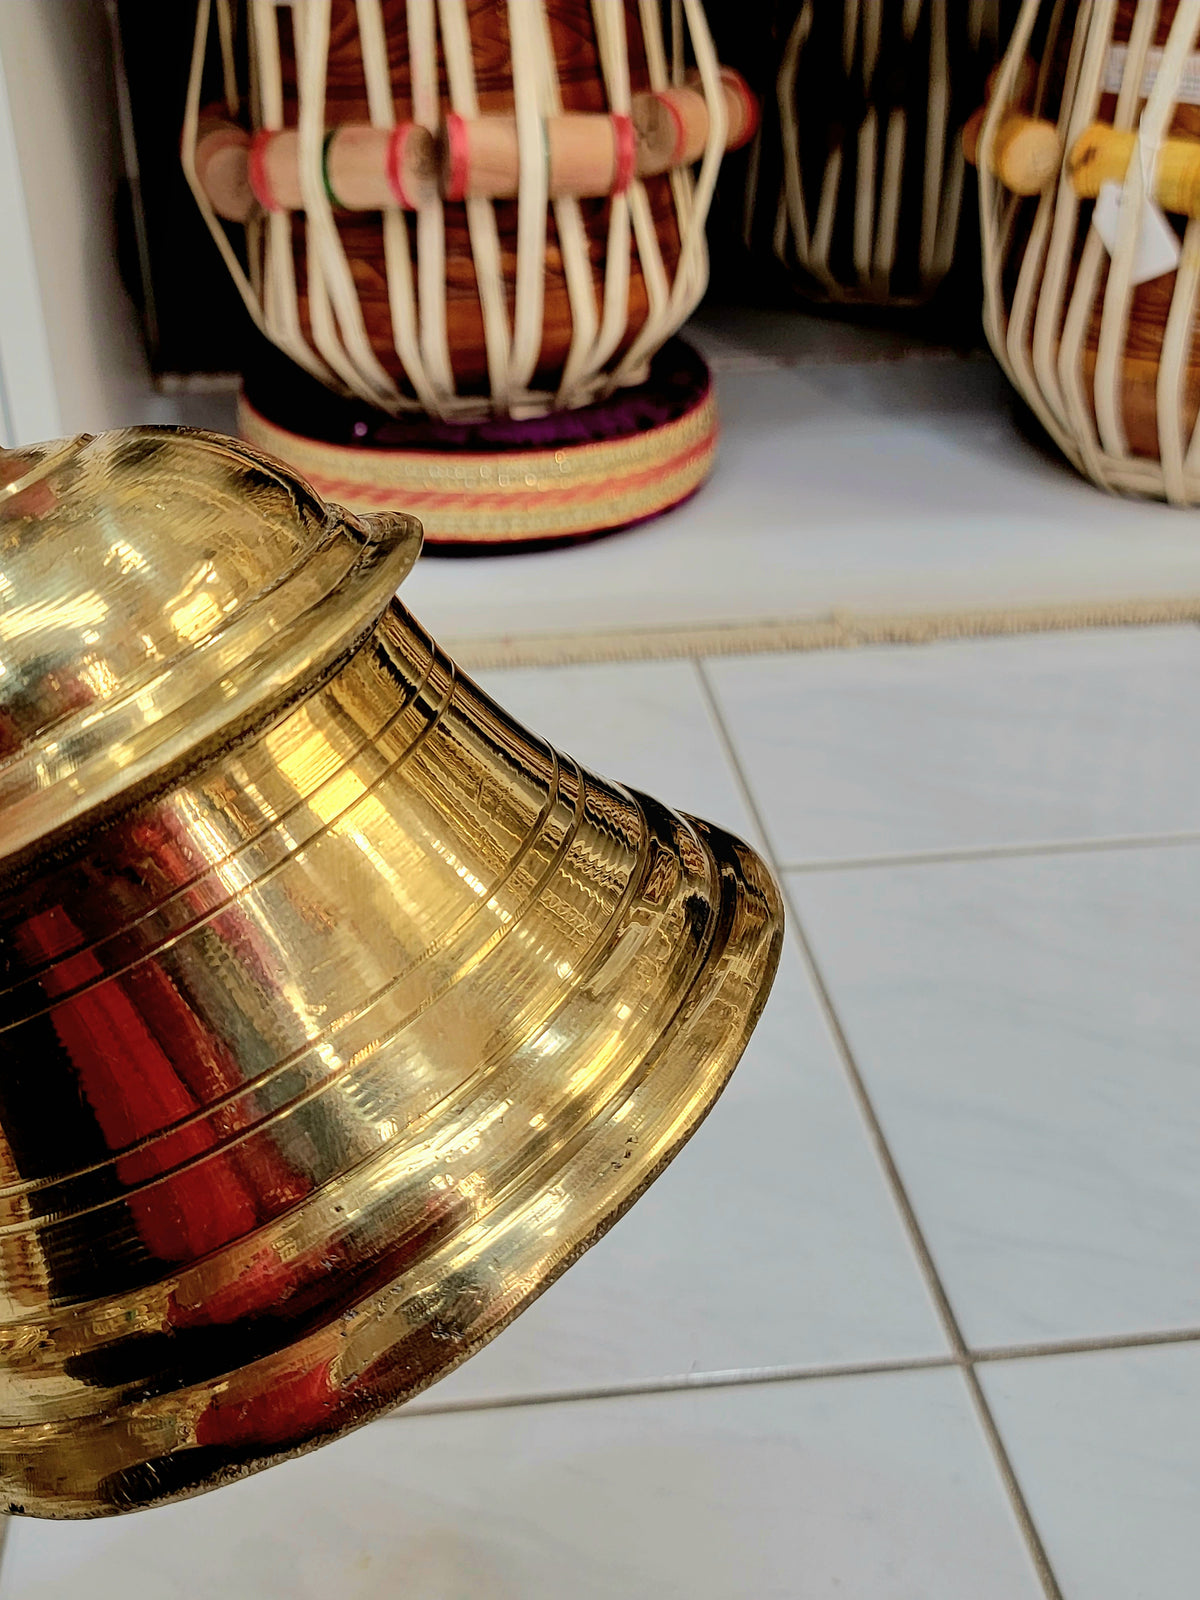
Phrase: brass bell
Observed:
(340, 1013)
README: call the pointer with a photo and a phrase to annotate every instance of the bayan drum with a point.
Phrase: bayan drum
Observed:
(464, 213)
(861, 178)
(341, 1013)
(1091, 278)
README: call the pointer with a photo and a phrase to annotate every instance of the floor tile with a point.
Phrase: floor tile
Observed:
(868, 488)
(770, 1242)
(1027, 1030)
(647, 724)
(1106, 1448)
(731, 335)
(969, 744)
(877, 1487)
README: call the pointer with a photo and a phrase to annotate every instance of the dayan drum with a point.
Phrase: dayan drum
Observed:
(861, 179)
(462, 216)
(1091, 271)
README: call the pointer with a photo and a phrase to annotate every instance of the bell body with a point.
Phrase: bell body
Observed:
(327, 1043)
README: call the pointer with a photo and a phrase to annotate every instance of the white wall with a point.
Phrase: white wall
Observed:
(28, 394)
(70, 355)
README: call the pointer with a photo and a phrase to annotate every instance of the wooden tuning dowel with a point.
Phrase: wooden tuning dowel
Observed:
(1025, 154)
(672, 124)
(587, 154)
(222, 162)
(369, 169)
(365, 168)
(1102, 155)
(595, 154)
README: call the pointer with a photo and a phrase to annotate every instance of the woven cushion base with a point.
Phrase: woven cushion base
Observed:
(501, 484)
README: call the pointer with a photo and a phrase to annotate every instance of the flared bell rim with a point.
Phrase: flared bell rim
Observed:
(269, 649)
(605, 1174)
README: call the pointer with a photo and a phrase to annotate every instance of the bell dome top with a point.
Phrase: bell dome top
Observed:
(161, 588)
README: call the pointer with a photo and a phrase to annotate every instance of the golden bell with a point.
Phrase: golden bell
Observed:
(341, 1013)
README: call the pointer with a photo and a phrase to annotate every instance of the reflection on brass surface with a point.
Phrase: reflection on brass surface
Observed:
(341, 1013)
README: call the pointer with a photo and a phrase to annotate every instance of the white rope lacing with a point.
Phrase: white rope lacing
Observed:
(879, 154)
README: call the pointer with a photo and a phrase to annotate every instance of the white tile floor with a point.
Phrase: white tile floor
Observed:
(917, 1315)
(855, 476)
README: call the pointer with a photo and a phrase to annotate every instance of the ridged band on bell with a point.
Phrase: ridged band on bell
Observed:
(337, 1021)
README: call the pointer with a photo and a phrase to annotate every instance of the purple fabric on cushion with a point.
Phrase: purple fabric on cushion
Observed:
(287, 396)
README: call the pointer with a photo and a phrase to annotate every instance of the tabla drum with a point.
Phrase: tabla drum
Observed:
(860, 182)
(474, 228)
(1092, 278)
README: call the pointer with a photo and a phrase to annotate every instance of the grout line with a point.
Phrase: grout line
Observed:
(749, 1377)
(1086, 1346)
(835, 630)
(900, 1195)
(1000, 852)
(737, 1378)
(1016, 1494)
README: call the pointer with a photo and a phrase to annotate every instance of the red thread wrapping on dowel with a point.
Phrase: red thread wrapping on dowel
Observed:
(626, 143)
(680, 131)
(256, 170)
(457, 152)
(394, 165)
(752, 111)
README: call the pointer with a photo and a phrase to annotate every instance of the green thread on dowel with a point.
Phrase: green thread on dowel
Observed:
(328, 140)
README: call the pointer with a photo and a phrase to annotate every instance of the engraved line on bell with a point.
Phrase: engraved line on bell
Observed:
(265, 1080)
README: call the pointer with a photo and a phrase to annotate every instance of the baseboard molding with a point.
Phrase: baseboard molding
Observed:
(839, 631)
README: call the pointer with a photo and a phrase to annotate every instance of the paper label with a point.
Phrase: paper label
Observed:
(1158, 247)
(1186, 91)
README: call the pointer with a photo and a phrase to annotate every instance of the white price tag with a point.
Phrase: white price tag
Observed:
(1186, 91)
(1158, 247)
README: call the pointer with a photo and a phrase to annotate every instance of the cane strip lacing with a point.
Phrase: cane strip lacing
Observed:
(1039, 324)
(879, 152)
(339, 351)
